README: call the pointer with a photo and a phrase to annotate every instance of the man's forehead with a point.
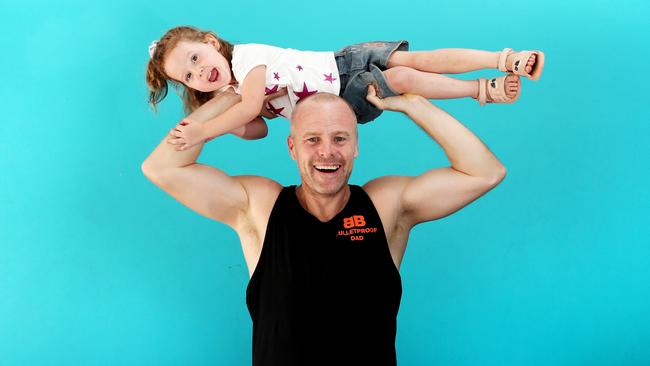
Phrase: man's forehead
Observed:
(328, 125)
(325, 131)
(324, 116)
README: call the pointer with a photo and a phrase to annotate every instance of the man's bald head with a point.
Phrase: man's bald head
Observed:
(324, 142)
(320, 104)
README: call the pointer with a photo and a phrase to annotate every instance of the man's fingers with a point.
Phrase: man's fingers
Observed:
(266, 113)
(279, 93)
(372, 97)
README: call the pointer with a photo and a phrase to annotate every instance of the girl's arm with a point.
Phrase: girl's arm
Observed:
(253, 130)
(257, 128)
(237, 116)
(207, 190)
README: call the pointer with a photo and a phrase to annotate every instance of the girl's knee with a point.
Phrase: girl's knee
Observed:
(399, 58)
(399, 78)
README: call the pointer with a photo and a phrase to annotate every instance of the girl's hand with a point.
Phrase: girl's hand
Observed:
(186, 134)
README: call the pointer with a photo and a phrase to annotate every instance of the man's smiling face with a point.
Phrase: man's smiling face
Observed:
(323, 142)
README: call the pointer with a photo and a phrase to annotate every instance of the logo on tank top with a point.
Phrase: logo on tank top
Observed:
(354, 228)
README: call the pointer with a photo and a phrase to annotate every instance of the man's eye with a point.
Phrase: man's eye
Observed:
(339, 139)
(312, 139)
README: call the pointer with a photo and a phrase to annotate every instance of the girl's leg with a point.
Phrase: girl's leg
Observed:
(450, 60)
(445, 61)
(433, 86)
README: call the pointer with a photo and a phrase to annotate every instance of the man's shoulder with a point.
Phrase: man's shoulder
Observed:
(259, 188)
(389, 185)
(386, 192)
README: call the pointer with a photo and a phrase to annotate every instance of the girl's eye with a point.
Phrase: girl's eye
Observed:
(194, 58)
(188, 77)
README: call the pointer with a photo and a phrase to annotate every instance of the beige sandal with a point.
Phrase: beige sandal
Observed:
(494, 91)
(519, 63)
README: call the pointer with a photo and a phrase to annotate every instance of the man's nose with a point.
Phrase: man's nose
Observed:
(326, 149)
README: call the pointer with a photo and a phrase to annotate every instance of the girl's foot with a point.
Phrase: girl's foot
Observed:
(512, 86)
(503, 89)
(526, 63)
(510, 59)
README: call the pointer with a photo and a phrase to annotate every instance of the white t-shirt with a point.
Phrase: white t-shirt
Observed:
(301, 72)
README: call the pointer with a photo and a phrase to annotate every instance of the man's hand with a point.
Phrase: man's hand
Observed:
(186, 134)
(397, 103)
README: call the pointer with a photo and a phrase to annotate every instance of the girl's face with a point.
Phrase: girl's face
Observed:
(198, 65)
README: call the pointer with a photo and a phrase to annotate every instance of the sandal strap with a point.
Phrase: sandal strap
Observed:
(519, 63)
(482, 91)
(502, 59)
(496, 91)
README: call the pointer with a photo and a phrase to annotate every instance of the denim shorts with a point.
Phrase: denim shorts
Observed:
(361, 65)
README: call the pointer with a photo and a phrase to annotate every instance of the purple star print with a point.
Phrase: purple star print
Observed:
(305, 92)
(272, 109)
(329, 78)
(272, 90)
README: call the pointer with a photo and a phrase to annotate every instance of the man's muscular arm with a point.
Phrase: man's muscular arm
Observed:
(204, 189)
(438, 192)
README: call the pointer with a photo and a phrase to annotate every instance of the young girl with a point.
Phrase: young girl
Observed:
(205, 64)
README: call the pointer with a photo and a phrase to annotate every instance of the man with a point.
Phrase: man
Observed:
(324, 256)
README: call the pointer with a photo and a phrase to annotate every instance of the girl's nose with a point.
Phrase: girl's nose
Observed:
(199, 72)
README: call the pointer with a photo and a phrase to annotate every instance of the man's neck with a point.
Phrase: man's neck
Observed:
(323, 207)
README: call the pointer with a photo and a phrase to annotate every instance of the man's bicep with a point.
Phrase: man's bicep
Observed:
(439, 193)
(206, 190)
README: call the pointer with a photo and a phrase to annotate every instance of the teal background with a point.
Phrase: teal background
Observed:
(100, 267)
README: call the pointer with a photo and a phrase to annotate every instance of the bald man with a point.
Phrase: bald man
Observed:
(324, 256)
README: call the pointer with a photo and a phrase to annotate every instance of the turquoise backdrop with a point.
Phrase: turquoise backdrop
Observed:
(100, 267)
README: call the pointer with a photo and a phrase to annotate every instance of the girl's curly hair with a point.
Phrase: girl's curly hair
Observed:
(158, 80)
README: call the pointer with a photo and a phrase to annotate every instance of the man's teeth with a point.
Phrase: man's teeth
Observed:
(327, 167)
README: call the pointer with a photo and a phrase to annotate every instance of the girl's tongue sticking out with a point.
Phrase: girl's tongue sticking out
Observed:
(214, 74)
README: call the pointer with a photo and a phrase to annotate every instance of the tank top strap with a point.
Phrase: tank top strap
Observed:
(362, 199)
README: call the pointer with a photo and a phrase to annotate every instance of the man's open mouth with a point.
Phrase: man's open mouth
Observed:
(327, 168)
(214, 74)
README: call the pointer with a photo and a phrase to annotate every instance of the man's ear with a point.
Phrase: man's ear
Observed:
(292, 147)
(356, 151)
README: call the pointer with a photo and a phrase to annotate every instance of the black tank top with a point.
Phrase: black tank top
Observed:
(324, 293)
